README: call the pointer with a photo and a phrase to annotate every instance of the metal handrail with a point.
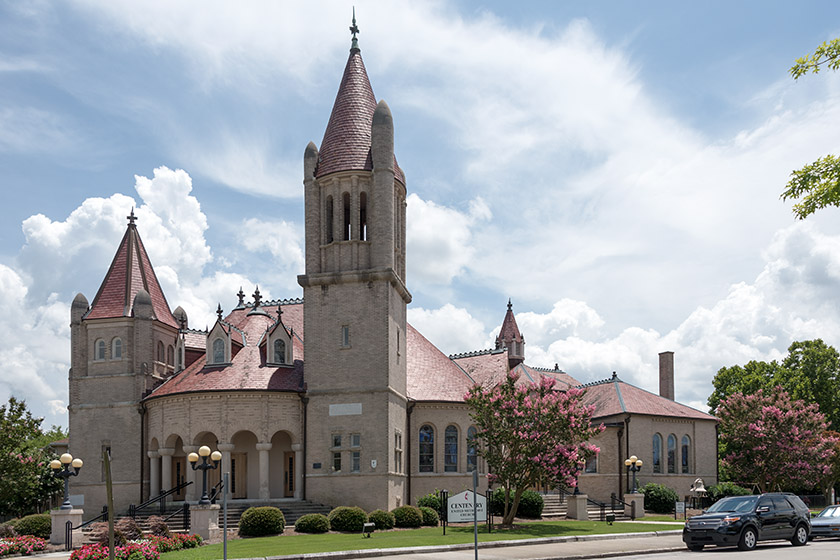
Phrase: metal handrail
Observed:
(215, 491)
(132, 509)
(68, 527)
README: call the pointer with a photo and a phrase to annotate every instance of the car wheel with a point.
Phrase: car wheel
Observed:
(748, 539)
(695, 547)
(800, 536)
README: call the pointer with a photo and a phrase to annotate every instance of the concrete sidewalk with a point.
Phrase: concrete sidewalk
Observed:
(552, 548)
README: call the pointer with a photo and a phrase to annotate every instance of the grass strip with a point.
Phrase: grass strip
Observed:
(293, 543)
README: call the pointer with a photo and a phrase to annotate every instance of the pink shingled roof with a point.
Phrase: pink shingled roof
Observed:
(614, 396)
(346, 143)
(487, 367)
(531, 374)
(130, 271)
(248, 370)
(432, 376)
(509, 331)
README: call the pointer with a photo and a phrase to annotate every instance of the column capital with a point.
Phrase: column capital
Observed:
(226, 447)
(297, 447)
(263, 447)
(190, 449)
(153, 454)
(167, 451)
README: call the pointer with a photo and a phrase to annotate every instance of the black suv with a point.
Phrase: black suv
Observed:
(742, 521)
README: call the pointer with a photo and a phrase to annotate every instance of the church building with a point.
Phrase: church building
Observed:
(333, 398)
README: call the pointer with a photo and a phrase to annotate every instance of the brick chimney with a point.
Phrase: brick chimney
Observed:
(666, 375)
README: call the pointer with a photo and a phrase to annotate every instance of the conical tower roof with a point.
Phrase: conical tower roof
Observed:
(130, 271)
(510, 331)
(346, 143)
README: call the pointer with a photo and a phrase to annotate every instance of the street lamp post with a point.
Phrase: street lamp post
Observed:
(61, 469)
(204, 452)
(634, 465)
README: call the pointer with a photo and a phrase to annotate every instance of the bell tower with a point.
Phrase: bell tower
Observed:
(356, 297)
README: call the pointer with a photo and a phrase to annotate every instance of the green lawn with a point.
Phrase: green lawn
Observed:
(292, 543)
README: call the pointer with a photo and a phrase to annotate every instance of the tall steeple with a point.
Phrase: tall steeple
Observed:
(130, 273)
(510, 338)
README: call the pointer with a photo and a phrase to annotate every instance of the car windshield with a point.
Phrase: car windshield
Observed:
(740, 504)
(830, 512)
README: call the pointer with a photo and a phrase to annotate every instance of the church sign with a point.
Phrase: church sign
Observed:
(461, 507)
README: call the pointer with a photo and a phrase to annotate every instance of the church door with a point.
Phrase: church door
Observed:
(289, 474)
(238, 475)
(179, 476)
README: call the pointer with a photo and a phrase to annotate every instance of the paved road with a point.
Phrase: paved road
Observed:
(816, 550)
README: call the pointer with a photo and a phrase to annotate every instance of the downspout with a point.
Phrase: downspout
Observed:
(408, 409)
(142, 411)
(717, 453)
(620, 465)
(305, 401)
(627, 450)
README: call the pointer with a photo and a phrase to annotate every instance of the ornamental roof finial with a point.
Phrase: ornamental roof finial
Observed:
(131, 218)
(354, 29)
(241, 296)
(219, 311)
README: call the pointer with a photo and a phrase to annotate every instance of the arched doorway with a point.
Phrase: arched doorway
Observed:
(283, 470)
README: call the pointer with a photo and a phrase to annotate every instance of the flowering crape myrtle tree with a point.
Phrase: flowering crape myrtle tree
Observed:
(775, 441)
(529, 433)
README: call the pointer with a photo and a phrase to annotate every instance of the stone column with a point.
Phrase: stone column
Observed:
(577, 507)
(639, 500)
(298, 449)
(59, 519)
(194, 489)
(226, 449)
(166, 454)
(265, 492)
(204, 521)
(154, 473)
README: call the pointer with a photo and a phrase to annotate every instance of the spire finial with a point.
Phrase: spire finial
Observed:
(510, 305)
(219, 311)
(279, 313)
(131, 218)
(241, 296)
(257, 297)
(354, 29)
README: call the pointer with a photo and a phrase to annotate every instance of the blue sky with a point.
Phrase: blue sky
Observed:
(613, 167)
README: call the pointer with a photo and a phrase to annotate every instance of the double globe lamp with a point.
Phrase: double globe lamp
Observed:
(634, 465)
(204, 452)
(61, 469)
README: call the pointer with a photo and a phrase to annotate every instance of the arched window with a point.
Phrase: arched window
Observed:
(685, 452)
(329, 219)
(170, 355)
(657, 453)
(672, 454)
(116, 349)
(472, 454)
(160, 352)
(99, 350)
(345, 199)
(218, 351)
(363, 216)
(427, 448)
(279, 351)
(450, 449)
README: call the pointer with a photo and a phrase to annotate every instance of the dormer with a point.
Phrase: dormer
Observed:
(277, 343)
(223, 342)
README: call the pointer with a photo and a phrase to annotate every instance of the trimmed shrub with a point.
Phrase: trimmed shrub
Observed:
(430, 516)
(37, 525)
(348, 519)
(312, 523)
(261, 521)
(658, 498)
(7, 531)
(530, 505)
(157, 526)
(496, 501)
(724, 489)
(129, 528)
(430, 500)
(407, 516)
(99, 534)
(383, 520)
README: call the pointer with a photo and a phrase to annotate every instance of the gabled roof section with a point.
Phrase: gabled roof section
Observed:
(510, 331)
(431, 375)
(130, 271)
(346, 143)
(614, 396)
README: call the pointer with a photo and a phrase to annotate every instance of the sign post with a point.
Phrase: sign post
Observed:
(468, 506)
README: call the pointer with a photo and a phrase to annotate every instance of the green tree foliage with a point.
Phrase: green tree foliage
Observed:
(818, 183)
(26, 482)
(530, 433)
(810, 372)
(659, 498)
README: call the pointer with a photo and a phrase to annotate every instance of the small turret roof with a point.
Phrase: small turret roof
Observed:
(346, 143)
(130, 272)
(510, 331)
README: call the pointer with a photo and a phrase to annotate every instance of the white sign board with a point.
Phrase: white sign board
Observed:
(680, 507)
(460, 507)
